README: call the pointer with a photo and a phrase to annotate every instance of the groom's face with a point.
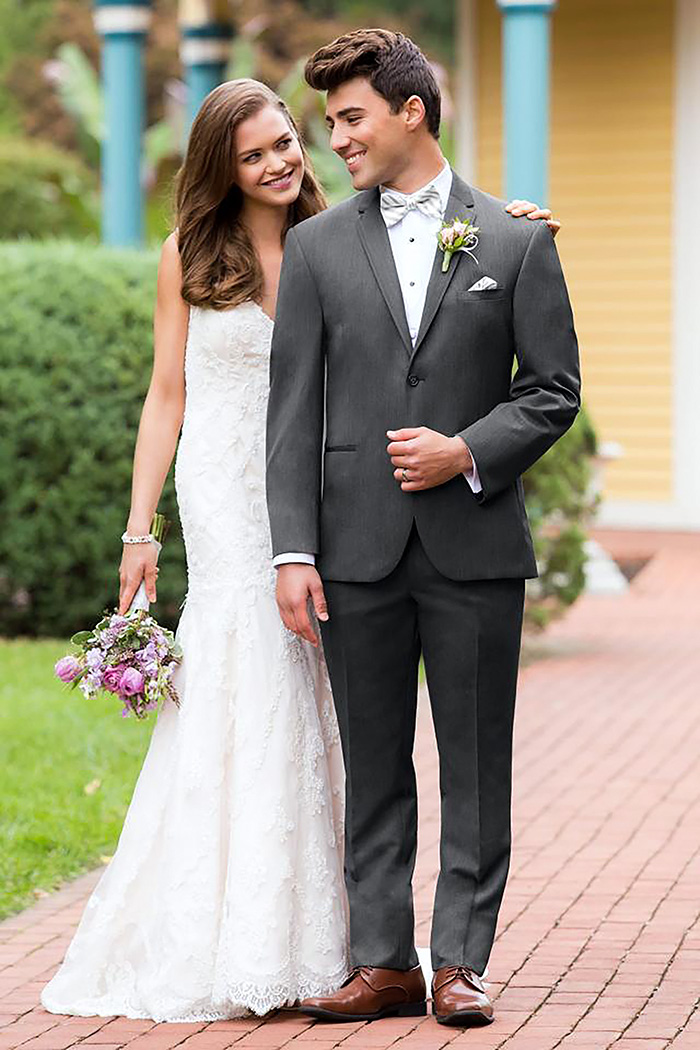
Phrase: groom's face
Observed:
(373, 141)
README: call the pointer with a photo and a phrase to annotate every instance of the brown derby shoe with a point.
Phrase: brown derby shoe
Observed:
(369, 993)
(459, 997)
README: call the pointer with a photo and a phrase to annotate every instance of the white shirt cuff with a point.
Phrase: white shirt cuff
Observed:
(294, 559)
(472, 477)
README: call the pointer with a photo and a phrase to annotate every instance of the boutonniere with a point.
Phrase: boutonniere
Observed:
(457, 236)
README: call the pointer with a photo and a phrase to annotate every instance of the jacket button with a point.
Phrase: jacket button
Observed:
(413, 380)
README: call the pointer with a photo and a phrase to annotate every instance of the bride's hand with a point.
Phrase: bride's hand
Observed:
(138, 562)
(519, 208)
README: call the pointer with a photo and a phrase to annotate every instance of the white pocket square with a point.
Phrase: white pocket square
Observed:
(483, 285)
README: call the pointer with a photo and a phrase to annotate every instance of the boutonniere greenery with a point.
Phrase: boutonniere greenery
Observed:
(457, 236)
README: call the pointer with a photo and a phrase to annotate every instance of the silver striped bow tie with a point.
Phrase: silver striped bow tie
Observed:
(395, 205)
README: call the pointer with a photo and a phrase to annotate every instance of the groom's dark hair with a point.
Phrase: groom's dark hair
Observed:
(394, 66)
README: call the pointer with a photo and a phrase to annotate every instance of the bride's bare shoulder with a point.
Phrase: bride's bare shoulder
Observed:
(170, 250)
(170, 266)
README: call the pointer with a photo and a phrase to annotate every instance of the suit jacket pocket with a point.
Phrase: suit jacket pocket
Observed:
(341, 448)
(492, 294)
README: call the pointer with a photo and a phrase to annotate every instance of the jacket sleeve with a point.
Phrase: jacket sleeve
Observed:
(296, 408)
(545, 390)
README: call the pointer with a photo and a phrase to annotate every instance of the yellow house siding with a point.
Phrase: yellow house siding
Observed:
(611, 183)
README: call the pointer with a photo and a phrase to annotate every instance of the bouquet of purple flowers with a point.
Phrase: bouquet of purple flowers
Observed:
(131, 656)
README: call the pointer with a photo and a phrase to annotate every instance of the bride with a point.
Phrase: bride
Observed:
(225, 895)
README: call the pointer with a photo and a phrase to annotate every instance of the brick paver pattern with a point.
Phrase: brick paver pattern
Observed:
(599, 936)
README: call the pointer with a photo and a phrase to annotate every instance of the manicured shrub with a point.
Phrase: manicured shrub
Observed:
(75, 328)
(45, 192)
(560, 505)
(75, 331)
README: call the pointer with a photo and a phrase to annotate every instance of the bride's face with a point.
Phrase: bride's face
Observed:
(269, 164)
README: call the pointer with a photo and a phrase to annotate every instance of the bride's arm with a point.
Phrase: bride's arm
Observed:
(161, 420)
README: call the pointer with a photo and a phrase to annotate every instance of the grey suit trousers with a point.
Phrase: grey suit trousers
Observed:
(469, 635)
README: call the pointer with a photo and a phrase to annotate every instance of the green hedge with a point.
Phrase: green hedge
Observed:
(45, 192)
(75, 327)
(560, 505)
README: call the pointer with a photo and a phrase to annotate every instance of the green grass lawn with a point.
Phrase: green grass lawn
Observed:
(67, 771)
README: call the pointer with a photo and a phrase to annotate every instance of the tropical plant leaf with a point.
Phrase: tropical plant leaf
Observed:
(80, 90)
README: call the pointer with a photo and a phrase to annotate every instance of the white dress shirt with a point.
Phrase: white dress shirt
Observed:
(413, 243)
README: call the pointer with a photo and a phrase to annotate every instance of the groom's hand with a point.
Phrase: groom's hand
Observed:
(295, 585)
(427, 457)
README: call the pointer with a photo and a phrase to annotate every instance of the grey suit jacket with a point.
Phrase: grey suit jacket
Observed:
(343, 372)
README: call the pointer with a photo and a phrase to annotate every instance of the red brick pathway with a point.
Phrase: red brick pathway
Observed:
(599, 939)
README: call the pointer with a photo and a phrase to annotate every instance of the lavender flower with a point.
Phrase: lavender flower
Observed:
(86, 689)
(147, 658)
(94, 658)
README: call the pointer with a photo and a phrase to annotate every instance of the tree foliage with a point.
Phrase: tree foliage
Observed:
(45, 191)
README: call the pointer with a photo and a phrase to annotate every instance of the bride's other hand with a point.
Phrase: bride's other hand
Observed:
(519, 208)
(138, 563)
(297, 583)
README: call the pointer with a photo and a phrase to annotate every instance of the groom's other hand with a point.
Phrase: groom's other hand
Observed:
(295, 585)
(427, 457)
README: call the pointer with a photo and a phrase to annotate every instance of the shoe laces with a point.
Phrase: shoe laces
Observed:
(363, 970)
(467, 974)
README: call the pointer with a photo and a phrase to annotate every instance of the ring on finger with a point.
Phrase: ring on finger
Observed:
(404, 475)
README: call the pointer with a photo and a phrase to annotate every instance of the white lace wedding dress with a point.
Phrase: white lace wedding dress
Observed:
(225, 894)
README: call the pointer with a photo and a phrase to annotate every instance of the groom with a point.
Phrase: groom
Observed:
(397, 435)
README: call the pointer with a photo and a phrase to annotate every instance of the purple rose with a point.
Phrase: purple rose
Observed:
(112, 677)
(131, 682)
(67, 668)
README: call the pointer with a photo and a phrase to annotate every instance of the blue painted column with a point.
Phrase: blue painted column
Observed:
(526, 74)
(205, 49)
(123, 27)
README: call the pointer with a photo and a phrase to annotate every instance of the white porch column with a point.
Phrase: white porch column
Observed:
(686, 282)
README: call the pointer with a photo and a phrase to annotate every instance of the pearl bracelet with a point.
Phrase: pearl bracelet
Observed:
(126, 538)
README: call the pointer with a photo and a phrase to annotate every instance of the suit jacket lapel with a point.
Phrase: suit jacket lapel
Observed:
(460, 205)
(375, 241)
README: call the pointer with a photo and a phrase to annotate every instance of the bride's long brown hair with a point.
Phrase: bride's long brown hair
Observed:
(220, 267)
